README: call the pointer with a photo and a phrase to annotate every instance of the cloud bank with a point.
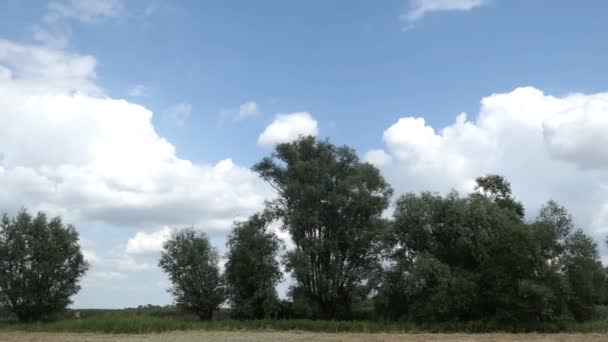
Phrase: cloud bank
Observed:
(549, 147)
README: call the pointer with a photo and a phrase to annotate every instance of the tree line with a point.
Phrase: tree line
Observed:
(437, 258)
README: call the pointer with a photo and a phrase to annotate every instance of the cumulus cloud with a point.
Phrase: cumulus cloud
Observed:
(144, 242)
(69, 149)
(41, 70)
(288, 127)
(579, 133)
(90, 256)
(418, 9)
(541, 143)
(377, 158)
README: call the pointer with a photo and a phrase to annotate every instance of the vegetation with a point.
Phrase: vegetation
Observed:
(331, 204)
(40, 265)
(133, 321)
(456, 262)
(192, 266)
(252, 269)
(474, 258)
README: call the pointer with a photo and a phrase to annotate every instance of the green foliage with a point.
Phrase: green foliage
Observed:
(474, 258)
(252, 269)
(40, 265)
(331, 204)
(585, 275)
(498, 189)
(192, 266)
(131, 322)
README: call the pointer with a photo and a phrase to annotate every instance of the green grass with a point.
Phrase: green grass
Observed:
(147, 324)
(135, 321)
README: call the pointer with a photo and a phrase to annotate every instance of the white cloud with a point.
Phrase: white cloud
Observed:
(288, 127)
(377, 158)
(541, 143)
(418, 9)
(247, 110)
(164, 284)
(69, 149)
(86, 11)
(144, 242)
(579, 133)
(55, 30)
(106, 275)
(39, 70)
(128, 263)
(179, 113)
(456, 152)
(56, 35)
(138, 90)
(90, 256)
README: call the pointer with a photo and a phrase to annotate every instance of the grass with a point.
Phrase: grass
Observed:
(147, 324)
(157, 321)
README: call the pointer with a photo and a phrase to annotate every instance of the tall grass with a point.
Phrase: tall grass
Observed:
(141, 322)
(147, 324)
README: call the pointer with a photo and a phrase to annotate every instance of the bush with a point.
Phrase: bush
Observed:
(40, 265)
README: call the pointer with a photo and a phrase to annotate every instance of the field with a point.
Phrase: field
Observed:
(168, 324)
(260, 336)
(247, 336)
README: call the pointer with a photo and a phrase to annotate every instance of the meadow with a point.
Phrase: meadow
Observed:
(165, 320)
(266, 336)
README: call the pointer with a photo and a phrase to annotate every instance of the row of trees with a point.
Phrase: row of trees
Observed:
(440, 258)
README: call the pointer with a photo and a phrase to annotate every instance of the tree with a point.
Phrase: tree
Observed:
(331, 204)
(552, 227)
(192, 266)
(252, 269)
(474, 257)
(40, 265)
(498, 189)
(585, 275)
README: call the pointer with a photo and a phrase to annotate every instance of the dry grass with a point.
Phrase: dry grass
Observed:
(258, 336)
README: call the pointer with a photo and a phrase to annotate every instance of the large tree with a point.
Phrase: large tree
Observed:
(252, 269)
(585, 275)
(474, 257)
(40, 265)
(498, 189)
(192, 266)
(331, 204)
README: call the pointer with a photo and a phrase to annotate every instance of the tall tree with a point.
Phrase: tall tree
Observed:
(252, 269)
(474, 257)
(331, 204)
(585, 275)
(192, 266)
(40, 265)
(498, 189)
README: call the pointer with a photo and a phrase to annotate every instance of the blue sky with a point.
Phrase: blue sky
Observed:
(388, 78)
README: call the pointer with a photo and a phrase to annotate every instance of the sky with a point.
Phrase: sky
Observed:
(131, 119)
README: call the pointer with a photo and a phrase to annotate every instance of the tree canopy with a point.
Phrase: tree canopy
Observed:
(40, 265)
(331, 204)
(192, 266)
(252, 269)
(475, 258)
